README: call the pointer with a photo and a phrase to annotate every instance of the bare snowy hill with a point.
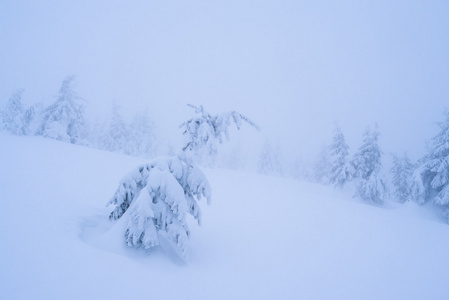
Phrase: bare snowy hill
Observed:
(262, 237)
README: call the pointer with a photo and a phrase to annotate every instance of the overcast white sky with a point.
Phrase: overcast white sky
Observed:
(292, 66)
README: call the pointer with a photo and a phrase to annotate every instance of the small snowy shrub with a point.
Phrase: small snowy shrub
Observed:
(156, 198)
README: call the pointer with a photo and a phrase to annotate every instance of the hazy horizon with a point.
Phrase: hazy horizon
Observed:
(294, 67)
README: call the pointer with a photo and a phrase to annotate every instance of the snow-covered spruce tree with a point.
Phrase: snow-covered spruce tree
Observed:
(30, 119)
(17, 119)
(64, 119)
(156, 198)
(203, 133)
(402, 171)
(153, 200)
(269, 160)
(12, 116)
(431, 177)
(367, 164)
(341, 170)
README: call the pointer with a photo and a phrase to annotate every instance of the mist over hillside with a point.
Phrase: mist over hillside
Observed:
(294, 67)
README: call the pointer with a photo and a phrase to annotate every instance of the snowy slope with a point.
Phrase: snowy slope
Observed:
(262, 237)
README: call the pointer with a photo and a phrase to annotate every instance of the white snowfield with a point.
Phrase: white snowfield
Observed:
(261, 238)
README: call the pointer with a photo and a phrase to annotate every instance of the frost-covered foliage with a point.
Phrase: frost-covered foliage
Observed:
(341, 170)
(203, 133)
(431, 177)
(269, 160)
(156, 198)
(321, 167)
(367, 164)
(402, 171)
(64, 119)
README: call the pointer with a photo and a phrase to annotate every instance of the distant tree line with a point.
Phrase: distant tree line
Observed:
(423, 181)
(65, 120)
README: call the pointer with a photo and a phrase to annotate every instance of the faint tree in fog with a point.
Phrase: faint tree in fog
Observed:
(116, 134)
(142, 140)
(269, 160)
(137, 138)
(322, 166)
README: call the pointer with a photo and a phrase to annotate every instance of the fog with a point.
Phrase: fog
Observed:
(294, 67)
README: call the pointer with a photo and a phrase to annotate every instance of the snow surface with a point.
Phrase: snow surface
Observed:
(262, 238)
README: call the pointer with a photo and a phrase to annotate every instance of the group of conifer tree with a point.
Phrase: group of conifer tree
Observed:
(423, 181)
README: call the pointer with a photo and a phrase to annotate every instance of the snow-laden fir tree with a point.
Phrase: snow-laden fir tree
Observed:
(402, 171)
(153, 200)
(269, 160)
(64, 120)
(204, 132)
(12, 116)
(367, 165)
(16, 118)
(341, 170)
(156, 198)
(431, 177)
